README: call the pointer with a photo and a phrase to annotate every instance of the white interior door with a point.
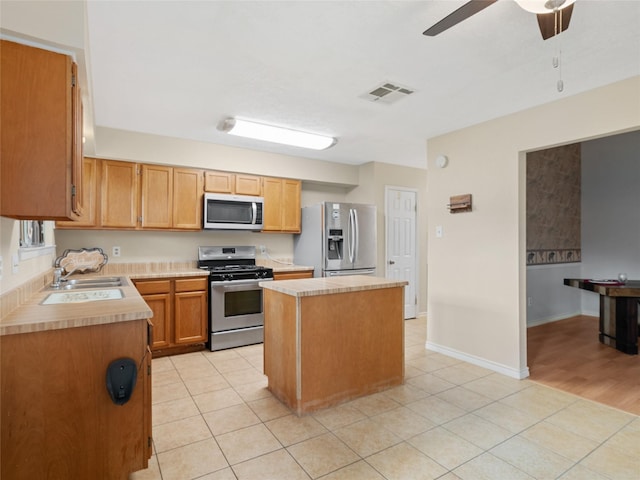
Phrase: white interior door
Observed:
(401, 258)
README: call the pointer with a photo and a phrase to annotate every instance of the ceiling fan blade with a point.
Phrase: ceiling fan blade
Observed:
(462, 13)
(547, 22)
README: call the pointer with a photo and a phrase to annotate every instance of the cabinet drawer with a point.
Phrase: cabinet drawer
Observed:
(191, 284)
(153, 286)
(292, 275)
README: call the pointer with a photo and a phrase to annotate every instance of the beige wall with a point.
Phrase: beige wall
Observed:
(477, 271)
(140, 147)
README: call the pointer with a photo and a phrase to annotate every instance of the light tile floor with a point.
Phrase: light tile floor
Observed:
(214, 419)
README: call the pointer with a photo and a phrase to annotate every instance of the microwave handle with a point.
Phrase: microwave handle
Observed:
(254, 210)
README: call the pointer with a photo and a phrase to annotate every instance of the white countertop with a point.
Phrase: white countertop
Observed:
(306, 287)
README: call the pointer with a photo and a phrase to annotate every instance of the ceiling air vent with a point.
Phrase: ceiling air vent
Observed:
(387, 93)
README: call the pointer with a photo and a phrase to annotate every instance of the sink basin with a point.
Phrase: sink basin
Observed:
(92, 283)
(84, 296)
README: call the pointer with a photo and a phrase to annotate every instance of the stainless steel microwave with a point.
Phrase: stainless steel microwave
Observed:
(232, 212)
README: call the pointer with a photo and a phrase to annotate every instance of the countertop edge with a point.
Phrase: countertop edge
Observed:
(330, 285)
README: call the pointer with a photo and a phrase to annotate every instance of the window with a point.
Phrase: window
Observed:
(31, 233)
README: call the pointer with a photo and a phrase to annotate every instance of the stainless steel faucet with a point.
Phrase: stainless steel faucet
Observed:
(58, 278)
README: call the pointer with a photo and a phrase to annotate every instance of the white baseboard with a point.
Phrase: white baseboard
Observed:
(481, 362)
(555, 318)
(542, 321)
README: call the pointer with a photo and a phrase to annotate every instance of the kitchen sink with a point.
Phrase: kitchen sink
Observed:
(83, 296)
(92, 283)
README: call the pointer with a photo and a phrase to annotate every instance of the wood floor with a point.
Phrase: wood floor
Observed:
(568, 356)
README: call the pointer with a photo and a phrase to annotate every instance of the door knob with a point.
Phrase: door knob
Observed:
(391, 262)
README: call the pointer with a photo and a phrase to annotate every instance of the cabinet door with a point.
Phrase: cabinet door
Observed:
(89, 196)
(160, 305)
(36, 139)
(272, 215)
(187, 199)
(248, 185)
(219, 182)
(157, 294)
(190, 314)
(157, 196)
(291, 205)
(119, 194)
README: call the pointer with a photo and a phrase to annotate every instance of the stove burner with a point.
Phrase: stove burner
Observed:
(240, 264)
(235, 267)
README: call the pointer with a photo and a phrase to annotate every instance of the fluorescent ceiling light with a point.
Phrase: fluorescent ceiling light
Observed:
(269, 133)
(544, 6)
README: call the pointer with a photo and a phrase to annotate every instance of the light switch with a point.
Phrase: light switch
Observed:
(439, 231)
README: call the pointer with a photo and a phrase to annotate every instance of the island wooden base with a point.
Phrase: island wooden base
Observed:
(322, 350)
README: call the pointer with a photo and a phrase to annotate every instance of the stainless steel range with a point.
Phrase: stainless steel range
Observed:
(236, 314)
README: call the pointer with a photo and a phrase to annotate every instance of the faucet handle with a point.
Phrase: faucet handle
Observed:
(57, 275)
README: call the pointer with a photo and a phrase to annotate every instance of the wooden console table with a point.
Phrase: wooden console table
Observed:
(618, 312)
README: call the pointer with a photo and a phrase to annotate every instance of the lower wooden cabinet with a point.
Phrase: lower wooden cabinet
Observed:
(180, 313)
(58, 419)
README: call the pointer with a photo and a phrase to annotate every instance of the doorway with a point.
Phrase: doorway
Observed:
(400, 231)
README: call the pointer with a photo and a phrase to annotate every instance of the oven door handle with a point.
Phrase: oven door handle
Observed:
(233, 283)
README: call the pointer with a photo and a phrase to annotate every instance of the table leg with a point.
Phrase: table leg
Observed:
(619, 323)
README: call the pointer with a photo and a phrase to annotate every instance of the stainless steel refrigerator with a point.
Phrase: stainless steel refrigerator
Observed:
(337, 239)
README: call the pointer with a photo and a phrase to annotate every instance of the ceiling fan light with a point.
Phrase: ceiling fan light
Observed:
(544, 6)
(270, 133)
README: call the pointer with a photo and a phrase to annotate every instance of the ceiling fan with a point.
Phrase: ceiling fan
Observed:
(553, 15)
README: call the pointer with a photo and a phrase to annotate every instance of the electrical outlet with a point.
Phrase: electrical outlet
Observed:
(15, 263)
(439, 231)
(263, 249)
(115, 251)
(529, 301)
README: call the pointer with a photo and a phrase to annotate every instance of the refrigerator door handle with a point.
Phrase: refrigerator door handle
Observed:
(356, 236)
(352, 239)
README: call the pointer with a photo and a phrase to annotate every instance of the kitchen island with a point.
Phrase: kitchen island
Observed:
(330, 340)
(618, 311)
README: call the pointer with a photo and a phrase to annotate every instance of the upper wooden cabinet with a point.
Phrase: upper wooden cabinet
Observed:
(281, 205)
(171, 198)
(118, 194)
(236, 183)
(126, 195)
(187, 198)
(41, 135)
(157, 196)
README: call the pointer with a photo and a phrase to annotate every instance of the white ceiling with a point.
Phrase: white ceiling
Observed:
(177, 68)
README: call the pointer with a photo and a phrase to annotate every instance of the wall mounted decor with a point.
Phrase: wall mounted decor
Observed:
(460, 203)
